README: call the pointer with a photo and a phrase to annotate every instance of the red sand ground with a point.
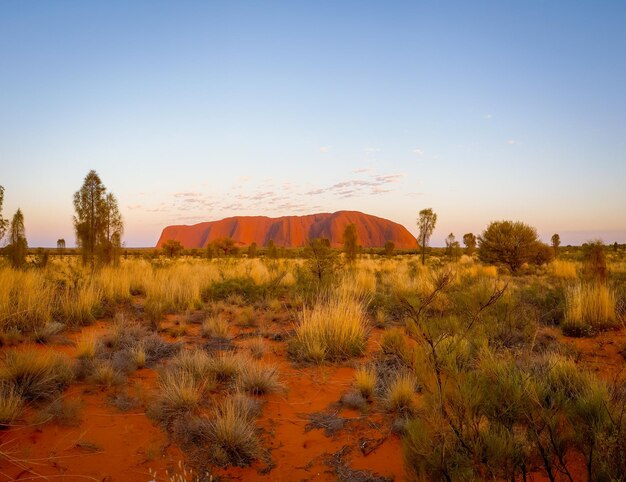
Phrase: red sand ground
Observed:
(109, 445)
(292, 231)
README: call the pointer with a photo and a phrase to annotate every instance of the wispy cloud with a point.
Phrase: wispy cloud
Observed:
(511, 142)
(418, 152)
(324, 149)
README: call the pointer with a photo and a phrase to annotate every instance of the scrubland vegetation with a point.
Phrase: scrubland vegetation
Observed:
(476, 369)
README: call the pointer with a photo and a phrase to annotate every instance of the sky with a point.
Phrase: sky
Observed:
(196, 111)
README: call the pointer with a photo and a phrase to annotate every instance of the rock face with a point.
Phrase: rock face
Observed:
(292, 231)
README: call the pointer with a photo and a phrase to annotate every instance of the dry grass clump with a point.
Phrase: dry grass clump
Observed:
(61, 411)
(365, 381)
(233, 434)
(226, 366)
(26, 300)
(334, 329)
(79, 305)
(257, 348)
(86, 347)
(179, 394)
(258, 379)
(394, 343)
(563, 269)
(400, 395)
(11, 403)
(35, 374)
(196, 363)
(215, 326)
(106, 375)
(589, 308)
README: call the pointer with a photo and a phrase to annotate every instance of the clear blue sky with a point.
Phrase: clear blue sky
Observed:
(194, 111)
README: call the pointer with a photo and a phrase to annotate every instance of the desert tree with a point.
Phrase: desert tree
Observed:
(272, 251)
(18, 245)
(390, 246)
(350, 246)
(226, 247)
(426, 223)
(469, 240)
(4, 223)
(556, 242)
(110, 240)
(594, 261)
(61, 245)
(322, 261)
(97, 221)
(509, 243)
(172, 248)
(452, 246)
(252, 250)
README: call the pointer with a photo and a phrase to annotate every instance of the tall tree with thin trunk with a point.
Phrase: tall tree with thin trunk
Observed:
(4, 223)
(18, 246)
(426, 224)
(98, 222)
(350, 245)
(556, 242)
(112, 228)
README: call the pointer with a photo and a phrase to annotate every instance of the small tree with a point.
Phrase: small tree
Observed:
(390, 246)
(350, 245)
(509, 243)
(452, 247)
(226, 247)
(252, 249)
(426, 224)
(615, 247)
(469, 240)
(323, 261)
(172, 248)
(556, 242)
(272, 251)
(210, 251)
(18, 246)
(61, 245)
(594, 261)
(4, 223)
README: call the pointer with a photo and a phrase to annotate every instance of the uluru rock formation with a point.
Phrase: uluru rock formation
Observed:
(292, 231)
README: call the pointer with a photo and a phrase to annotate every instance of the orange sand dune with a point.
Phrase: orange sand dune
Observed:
(292, 231)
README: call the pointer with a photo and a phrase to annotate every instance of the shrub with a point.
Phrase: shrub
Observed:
(509, 243)
(35, 374)
(334, 329)
(195, 363)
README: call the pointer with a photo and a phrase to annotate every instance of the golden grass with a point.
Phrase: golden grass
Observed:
(334, 329)
(35, 373)
(563, 269)
(226, 366)
(589, 307)
(195, 363)
(86, 347)
(26, 300)
(179, 392)
(258, 378)
(234, 435)
(11, 403)
(215, 326)
(365, 381)
(400, 395)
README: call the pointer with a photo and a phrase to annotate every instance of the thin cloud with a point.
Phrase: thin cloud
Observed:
(418, 152)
